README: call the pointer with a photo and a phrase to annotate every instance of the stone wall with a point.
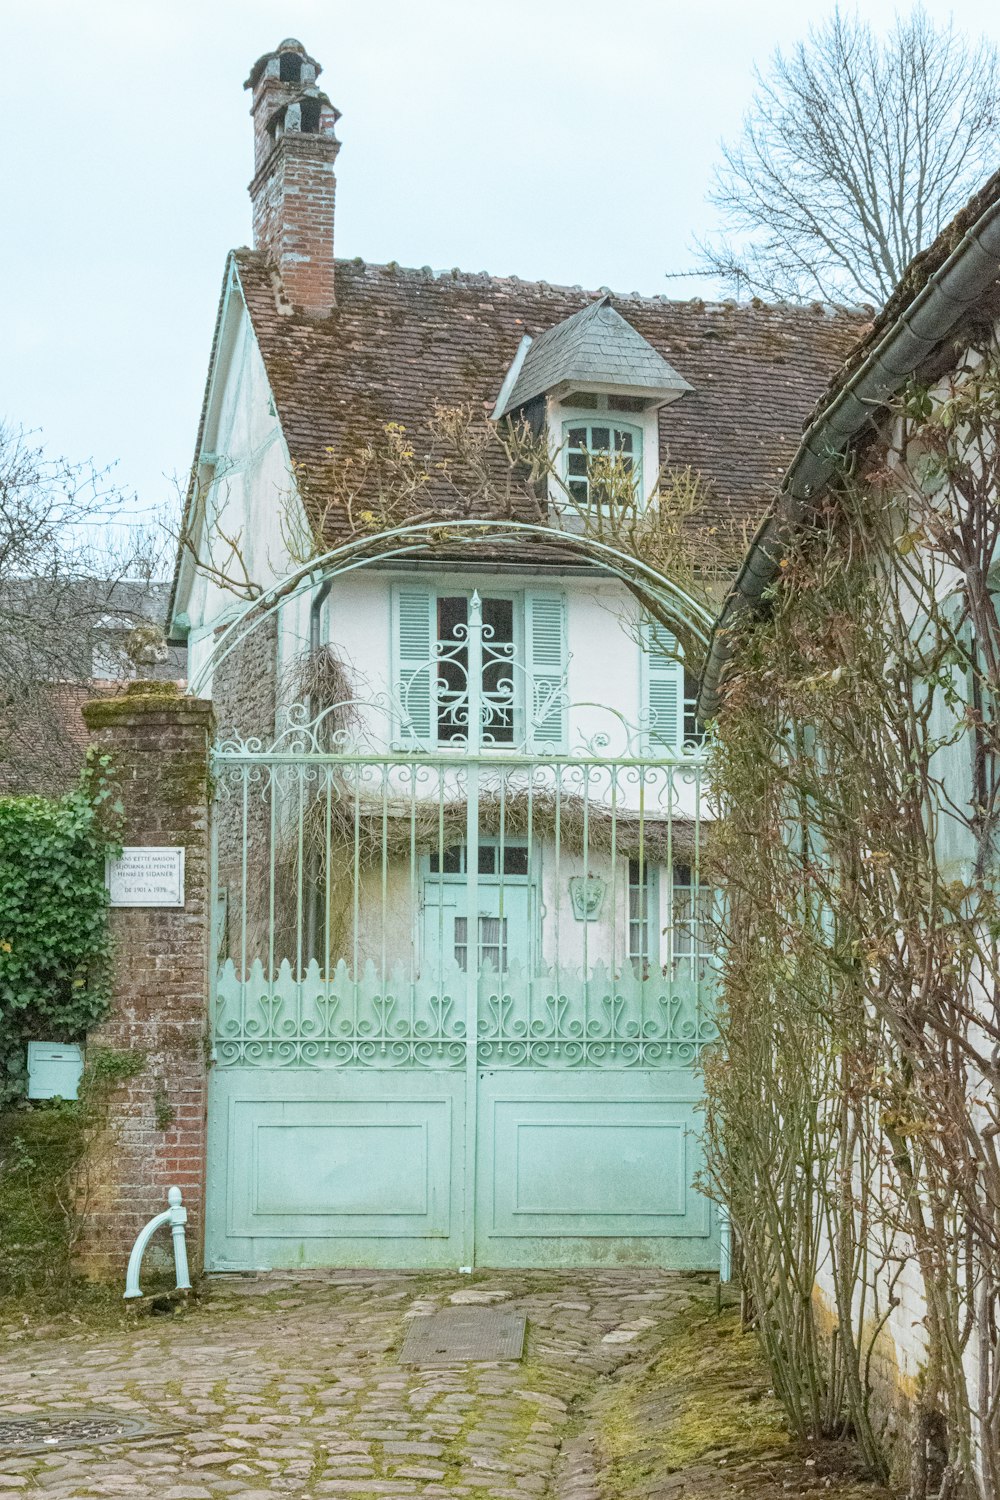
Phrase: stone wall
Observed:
(155, 1139)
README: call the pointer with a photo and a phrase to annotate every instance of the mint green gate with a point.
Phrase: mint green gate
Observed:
(463, 981)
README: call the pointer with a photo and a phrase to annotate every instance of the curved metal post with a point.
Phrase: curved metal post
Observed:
(176, 1217)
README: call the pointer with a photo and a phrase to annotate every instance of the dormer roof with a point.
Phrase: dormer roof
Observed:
(596, 348)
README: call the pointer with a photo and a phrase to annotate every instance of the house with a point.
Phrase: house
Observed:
(462, 924)
(858, 643)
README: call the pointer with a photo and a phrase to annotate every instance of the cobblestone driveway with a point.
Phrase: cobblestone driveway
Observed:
(294, 1388)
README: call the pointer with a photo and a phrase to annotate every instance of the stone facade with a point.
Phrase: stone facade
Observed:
(155, 1138)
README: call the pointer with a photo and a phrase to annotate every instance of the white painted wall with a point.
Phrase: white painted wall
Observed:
(250, 505)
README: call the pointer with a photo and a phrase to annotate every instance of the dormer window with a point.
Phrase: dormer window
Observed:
(596, 453)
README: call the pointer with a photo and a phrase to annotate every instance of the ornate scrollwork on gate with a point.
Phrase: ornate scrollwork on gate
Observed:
(554, 1020)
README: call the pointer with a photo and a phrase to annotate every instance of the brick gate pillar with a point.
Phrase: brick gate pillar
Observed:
(158, 740)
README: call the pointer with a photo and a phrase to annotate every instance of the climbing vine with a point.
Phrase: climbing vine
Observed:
(853, 1108)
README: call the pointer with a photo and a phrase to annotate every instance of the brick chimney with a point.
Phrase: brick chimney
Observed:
(293, 184)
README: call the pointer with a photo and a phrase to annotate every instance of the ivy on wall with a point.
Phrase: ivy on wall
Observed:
(54, 944)
(48, 1155)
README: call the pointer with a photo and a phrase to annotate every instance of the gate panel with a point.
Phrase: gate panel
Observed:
(588, 1168)
(335, 1168)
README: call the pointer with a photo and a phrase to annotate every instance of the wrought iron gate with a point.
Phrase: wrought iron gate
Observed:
(463, 979)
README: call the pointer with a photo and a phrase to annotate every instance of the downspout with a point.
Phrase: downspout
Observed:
(315, 611)
(313, 906)
(948, 294)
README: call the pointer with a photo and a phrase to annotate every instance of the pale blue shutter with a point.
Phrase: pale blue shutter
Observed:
(415, 672)
(545, 660)
(663, 688)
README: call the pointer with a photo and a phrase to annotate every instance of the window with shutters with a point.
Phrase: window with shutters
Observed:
(522, 689)
(669, 692)
(662, 673)
(685, 947)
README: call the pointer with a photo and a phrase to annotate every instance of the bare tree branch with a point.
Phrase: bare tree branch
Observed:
(855, 154)
(74, 569)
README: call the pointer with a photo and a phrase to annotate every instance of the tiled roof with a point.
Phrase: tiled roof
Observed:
(596, 344)
(401, 341)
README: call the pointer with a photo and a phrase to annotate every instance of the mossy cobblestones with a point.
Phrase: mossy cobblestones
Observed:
(292, 1386)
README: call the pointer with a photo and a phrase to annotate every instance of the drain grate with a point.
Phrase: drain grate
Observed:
(48, 1433)
(464, 1333)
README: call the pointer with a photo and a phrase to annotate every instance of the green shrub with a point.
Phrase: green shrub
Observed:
(54, 951)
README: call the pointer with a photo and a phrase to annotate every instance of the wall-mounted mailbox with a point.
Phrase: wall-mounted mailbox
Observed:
(54, 1069)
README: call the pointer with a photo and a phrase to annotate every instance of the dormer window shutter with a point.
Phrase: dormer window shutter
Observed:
(414, 673)
(662, 674)
(546, 661)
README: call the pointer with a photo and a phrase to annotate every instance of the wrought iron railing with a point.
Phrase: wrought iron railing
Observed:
(536, 907)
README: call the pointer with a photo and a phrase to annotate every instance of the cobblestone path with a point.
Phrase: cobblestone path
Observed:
(294, 1388)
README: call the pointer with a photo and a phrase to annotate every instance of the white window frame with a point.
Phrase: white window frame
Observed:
(614, 425)
(563, 414)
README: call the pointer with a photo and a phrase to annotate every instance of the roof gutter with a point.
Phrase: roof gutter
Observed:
(947, 295)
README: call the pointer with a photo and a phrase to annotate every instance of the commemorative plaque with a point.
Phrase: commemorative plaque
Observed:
(146, 875)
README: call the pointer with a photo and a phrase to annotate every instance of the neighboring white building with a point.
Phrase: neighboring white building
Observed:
(933, 331)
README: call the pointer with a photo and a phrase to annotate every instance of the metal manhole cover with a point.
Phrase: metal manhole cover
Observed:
(49, 1433)
(464, 1333)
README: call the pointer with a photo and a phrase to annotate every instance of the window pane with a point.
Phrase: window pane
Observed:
(487, 860)
(515, 859)
(577, 463)
(498, 617)
(452, 611)
(600, 440)
(578, 489)
(641, 935)
(498, 672)
(623, 441)
(462, 942)
(578, 437)
(452, 614)
(493, 942)
(451, 863)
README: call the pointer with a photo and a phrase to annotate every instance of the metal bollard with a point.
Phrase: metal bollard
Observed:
(176, 1217)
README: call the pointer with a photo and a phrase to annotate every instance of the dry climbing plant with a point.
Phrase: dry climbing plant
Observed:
(853, 1111)
(461, 467)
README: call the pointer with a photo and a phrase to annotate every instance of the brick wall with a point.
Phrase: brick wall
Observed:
(156, 1132)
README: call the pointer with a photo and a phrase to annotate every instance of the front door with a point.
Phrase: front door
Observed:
(501, 931)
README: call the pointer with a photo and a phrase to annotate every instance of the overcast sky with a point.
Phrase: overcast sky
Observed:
(570, 140)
